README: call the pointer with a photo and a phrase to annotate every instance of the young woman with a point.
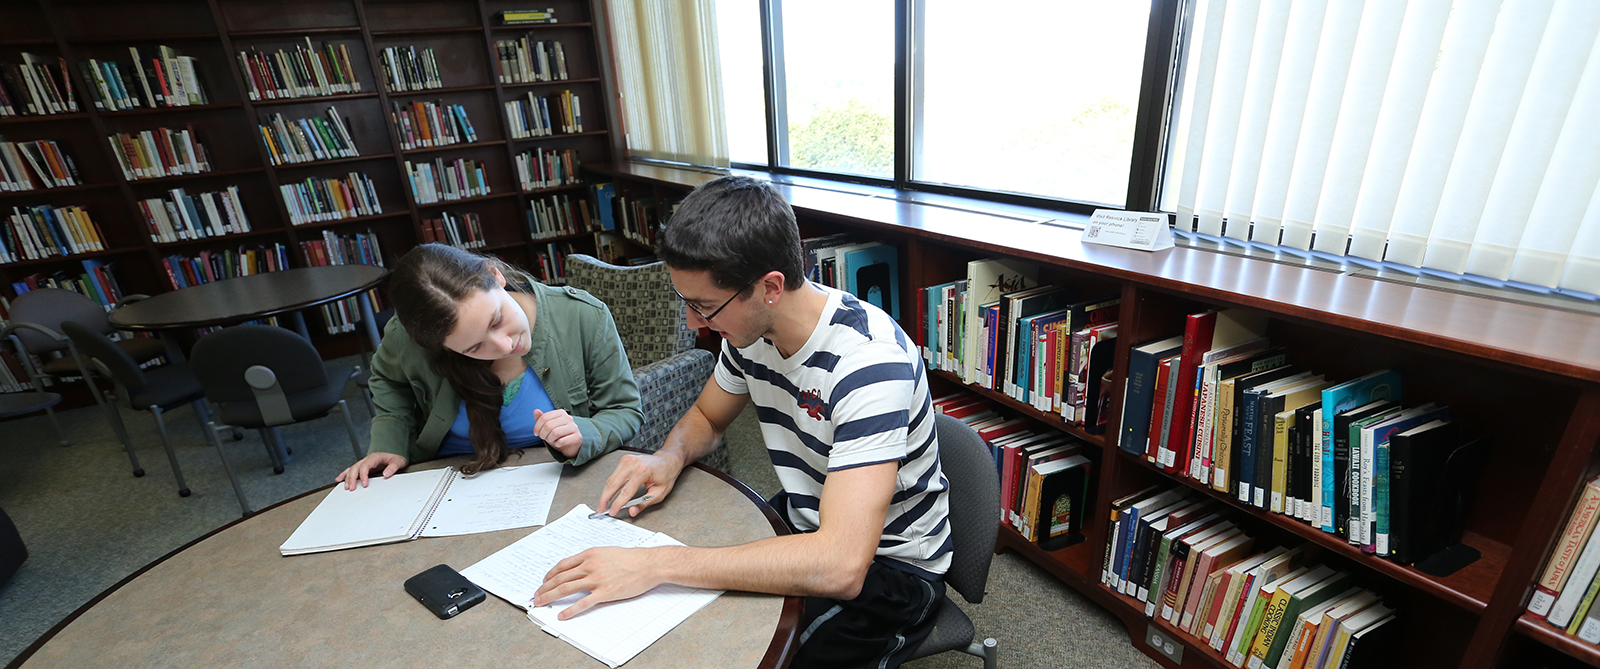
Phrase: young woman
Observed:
(480, 360)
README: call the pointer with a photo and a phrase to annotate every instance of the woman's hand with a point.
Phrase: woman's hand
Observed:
(558, 430)
(359, 472)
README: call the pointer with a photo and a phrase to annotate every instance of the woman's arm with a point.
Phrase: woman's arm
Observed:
(394, 425)
(612, 391)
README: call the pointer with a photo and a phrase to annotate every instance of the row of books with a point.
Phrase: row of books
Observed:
(407, 69)
(43, 231)
(166, 80)
(35, 88)
(207, 266)
(30, 165)
(181, 216)
(868, 270)
(524, 60)
(443, 180)
(1046, 477)
(549, 262)
(532, 117)
(360, 248)
(559, 216)
(426, 124)
(162, 152)
(463, 231)
(308, 139)
(1564, 596)
(517, 17)
(300, 73)
(611, 248)
(1182, 556)
(316, 200)
(637, 220)
(547, 168)
(97, 281)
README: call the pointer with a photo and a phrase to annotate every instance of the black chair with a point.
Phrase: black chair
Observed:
(974, 524)
(12, 552)
(157, 390)
(261, 377)
(20, 403)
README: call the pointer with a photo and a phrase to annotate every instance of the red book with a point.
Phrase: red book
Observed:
(1003, 429)
(967, 409)
(1196, 341)
(1163, 374)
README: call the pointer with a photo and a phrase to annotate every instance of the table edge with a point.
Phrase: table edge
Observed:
(778, 654)
(299, 306)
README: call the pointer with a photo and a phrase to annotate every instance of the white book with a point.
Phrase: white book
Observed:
(1577, 582)
(613, 632)
(410, 505)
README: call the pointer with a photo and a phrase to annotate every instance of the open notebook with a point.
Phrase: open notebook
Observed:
(613, 632)
(433, 503)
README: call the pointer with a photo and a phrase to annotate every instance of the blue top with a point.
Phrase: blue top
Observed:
(516, 419)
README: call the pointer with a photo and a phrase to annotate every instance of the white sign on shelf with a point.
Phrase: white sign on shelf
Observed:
(1146, 231)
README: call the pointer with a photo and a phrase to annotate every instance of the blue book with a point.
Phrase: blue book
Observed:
(1249, 391)
(1139, 396)
(604, 194)
(873, 274)
(1381, 436)
(1380, 385)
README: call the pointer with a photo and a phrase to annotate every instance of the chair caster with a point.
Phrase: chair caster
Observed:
(138, 473)
(183, 492)
(278, 469)
(238, 435)
(288, 451)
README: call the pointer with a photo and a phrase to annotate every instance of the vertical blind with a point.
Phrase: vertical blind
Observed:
(669, 79)
(1453, 135)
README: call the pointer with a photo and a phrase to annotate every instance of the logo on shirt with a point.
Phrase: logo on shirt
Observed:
(811, 401)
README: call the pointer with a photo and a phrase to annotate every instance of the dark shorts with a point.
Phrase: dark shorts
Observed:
(880, 628)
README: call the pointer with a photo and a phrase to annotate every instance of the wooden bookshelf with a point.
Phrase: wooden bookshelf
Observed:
(462, 33)
(1528, 377)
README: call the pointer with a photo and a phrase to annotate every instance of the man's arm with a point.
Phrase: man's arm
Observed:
(831, 562)
(691, 438)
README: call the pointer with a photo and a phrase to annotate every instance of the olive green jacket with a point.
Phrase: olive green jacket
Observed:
(576, 352)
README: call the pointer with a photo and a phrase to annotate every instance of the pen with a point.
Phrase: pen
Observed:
(625, 507)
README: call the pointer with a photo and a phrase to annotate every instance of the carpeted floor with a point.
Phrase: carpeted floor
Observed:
(88, 523)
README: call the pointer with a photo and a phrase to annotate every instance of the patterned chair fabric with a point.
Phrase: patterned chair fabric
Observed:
(670, 371)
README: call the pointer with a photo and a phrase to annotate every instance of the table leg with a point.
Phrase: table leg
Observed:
(299, 320)
(368, 321)
(169, 339)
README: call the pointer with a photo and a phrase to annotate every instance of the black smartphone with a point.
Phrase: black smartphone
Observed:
(444, 591)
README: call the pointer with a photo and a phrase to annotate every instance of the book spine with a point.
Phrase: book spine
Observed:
(1576, 535)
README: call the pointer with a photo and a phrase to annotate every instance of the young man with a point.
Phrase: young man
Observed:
(844, 407)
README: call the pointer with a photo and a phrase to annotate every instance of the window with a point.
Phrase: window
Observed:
(743, 91)
(837, 97)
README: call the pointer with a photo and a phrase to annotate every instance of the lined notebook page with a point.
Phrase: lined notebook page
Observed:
(497, 499)
(613, 632)
(386, 511)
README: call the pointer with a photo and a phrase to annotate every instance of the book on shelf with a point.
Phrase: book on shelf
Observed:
(206, 266)
(181, 216)
(547, 168)
(36, 87)
(317, 200)
(871, 272)
(299, 73)
(360, 248)
(44, 231)
(559, 216)
(549, 263)
(42, 164)
(429, 124)
(987, 280)
(513, 17)
(407, 69)
(459, 230)
(160, 152)
(157, 78)
(308, 139)
(444, 180)
(525, 60)
(1576, 535)
(545, 115)
(97, 281)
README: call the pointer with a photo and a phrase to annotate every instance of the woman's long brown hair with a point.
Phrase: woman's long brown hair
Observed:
(430, 282)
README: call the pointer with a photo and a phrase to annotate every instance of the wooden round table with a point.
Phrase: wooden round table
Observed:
(229, 599)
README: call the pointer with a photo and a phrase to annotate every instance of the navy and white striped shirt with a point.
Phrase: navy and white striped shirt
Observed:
(856, 394)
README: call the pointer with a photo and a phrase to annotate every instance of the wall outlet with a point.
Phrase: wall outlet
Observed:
(1167, 646)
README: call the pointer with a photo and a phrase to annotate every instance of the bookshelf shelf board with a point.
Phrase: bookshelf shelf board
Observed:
(346, 221)
(145, 111)
(427, 31)
(1069, 564)
(556, 82)
(443, 204)
(332, 30)
(447, 147)
(501, 246)
(555, 189)
(75, 257)
(1052, 419)
(563, 135)
(27, 41)
(436, 91)
(540, 26)
(1193, 649)
(311, 98)
(189, 177)
(141, 39)
(1469, 588)
(559, 238)
(334, 161)
(53, 191)
(220, 239)
(1544, 633)
(30, 118)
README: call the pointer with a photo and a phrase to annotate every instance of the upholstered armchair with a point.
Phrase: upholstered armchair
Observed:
(650, 317)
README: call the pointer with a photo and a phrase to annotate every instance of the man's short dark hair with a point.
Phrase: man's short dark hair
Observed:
(738, 229)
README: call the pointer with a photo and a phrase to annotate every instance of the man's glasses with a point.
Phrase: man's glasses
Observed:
(707, 317)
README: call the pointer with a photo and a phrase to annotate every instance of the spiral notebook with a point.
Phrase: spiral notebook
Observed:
(433, 503)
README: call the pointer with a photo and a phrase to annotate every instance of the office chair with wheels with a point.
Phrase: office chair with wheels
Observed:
(974, 525)
(261, 377)
(17, 404)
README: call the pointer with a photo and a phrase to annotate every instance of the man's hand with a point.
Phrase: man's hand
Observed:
(608, 574)
(359, 472)
(655, 472)
(558, 430)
